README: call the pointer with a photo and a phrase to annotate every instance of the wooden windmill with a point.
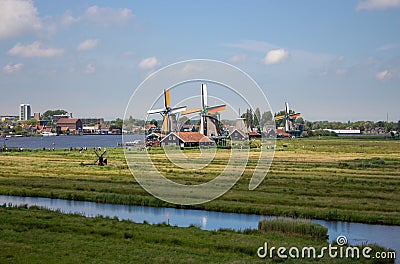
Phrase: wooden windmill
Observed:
(206, 111)
(168, 113)
(289, 118)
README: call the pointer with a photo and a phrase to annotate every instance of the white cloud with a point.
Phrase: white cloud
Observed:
(36, 49)
(9, 68)
(89, 69)
(382, 75)
(377, 4)
(88, 44)
(275, 56)
(107, 16)
(18, 17)
(68, 19)
(148, 63)
(238, 58)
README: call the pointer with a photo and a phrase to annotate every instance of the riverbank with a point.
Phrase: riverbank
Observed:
(354, 180)
(32, 235)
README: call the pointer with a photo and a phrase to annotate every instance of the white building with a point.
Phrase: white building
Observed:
(24, 112)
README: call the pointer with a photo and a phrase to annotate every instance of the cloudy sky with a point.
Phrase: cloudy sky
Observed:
(332, 60)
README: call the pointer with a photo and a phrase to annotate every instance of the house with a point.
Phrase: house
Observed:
(72, 123)
(238, 135)
(186, 139)
(154, 139)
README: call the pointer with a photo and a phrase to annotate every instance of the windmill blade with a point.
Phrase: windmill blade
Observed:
(279, 117)
(195, 110)
(294, 116)
(217, 108)
(167, 101)
(156, 111)
(165, 123)
(178, 109)
(204, 95)
(287, 108)
(202, 124)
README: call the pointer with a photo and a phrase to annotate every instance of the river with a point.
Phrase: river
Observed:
(356, 233)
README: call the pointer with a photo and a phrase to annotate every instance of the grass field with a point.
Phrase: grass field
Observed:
(333, 179)
(41, 236)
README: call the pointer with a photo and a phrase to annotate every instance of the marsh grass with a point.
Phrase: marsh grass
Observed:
(293, 227)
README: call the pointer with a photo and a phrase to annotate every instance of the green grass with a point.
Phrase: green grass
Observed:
(32, 235)
(293, 227)
(333, 179)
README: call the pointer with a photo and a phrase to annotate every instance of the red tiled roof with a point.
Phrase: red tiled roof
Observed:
(190, 137)
(67, 120)
(251, 133)
(282, 133)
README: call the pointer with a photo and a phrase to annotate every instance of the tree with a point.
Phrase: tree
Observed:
(300, 120)
(117, 124)
(266, 118)
(32, 122)
(49, 113)
(248, 116)
(256, 117)
(398, 126)
(154, 122)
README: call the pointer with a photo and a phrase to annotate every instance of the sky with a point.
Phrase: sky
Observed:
(331, 60)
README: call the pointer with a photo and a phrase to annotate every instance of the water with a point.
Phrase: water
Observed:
(68, 141)
(356, 233)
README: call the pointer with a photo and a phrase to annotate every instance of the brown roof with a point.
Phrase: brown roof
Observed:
(190, 137)
(251, 133)
(67, 120)
(280, 132)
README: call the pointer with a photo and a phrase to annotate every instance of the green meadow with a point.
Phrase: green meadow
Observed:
(334, 179)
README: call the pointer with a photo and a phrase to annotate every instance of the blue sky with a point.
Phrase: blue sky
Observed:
(332, 60)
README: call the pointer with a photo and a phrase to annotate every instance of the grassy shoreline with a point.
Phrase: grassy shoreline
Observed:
(33, 235)
(355, 180)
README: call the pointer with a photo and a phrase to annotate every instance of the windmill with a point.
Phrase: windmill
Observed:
(289, 118)
(168, 113)
(101, 161)
(205, 113)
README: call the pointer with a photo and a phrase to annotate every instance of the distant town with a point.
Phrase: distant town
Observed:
(248, 125)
